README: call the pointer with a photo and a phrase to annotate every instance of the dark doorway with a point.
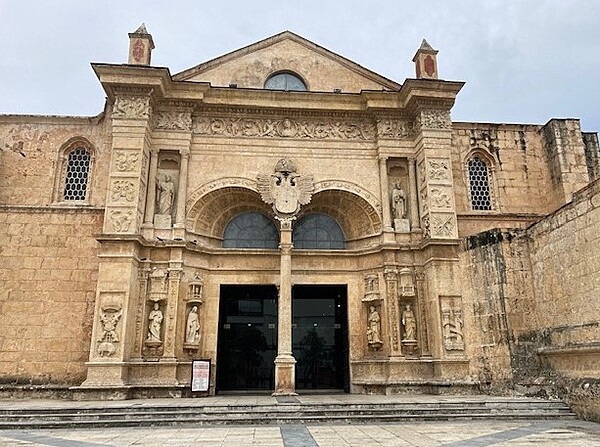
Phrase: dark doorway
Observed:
(247, 343)
(320, 337)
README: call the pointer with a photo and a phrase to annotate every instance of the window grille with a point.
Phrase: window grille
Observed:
(479, 184)
(77, 175)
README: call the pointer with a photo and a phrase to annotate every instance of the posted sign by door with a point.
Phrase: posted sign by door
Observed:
(200, 376)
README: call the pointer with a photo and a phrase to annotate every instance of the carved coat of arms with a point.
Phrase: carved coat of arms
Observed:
(285, 189)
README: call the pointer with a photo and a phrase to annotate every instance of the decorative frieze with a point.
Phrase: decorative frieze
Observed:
(173, 120)
(394, 128)
(433, 119)
(284, 128)
(132, 107)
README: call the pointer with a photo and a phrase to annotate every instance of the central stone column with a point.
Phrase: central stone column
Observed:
(286, 190)
(285, 363)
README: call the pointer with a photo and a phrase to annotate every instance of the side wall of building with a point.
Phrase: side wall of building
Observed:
(535, 297)
(48, 249)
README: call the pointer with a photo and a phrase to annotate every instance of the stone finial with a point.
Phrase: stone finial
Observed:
(426, 61)
(140, 46)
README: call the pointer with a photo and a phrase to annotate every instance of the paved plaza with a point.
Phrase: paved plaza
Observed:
(457, 433)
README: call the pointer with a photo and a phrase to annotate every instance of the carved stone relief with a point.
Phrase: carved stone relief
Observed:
(285, 189)
(125, 161)
(452, 323)
(391, 282)
(394, 128)
(407, 286)
(442, 225)
(121, 220)
(371, 288)
(441, 198)
(284, 128)
(438, 170)
(109, 318)
(433, 119)
(122, 189)
(192, 323)
(132, 107)
(173, 121)
(158, 285)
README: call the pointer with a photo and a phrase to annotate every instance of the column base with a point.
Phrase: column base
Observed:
(285, 375)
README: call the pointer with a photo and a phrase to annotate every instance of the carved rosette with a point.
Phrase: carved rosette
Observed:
(318, 129)
(438, 217)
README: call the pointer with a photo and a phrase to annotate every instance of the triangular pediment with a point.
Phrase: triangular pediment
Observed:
(321, 69)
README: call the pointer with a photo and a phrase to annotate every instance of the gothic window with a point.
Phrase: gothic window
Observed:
(250, 230)
(285, 81)
(318, 231)
(73, 180)
(479, 184)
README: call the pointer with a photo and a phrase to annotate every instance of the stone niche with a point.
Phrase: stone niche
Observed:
(399, 194)
(167, 184)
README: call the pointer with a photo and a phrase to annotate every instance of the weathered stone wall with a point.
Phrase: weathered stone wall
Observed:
(535, 296)
(48, 252)
(30, 149)
(48, 271)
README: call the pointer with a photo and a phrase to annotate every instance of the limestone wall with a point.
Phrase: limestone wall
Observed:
(48, 271)
(30, 150)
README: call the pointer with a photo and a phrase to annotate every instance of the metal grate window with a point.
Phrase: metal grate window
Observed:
(479, 184)
(76, 180)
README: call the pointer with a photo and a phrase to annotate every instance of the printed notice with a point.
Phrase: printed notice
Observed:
(200, 375)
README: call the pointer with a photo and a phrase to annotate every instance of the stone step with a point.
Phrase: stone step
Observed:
(181, 414)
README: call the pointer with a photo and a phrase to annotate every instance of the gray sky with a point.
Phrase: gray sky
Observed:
(524, 61)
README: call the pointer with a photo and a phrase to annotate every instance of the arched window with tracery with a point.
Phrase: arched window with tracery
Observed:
(73, 179)
(318, 231)
(250, 230)
(480, 192)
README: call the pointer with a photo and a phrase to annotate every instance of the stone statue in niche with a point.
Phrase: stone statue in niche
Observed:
(166, 193)
(410, 324)
(109, 319)
(192, 327)
(399, 201)
(374, 329)
(155, 318)
(401, 223)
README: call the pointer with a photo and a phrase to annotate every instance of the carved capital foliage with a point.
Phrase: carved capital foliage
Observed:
(433, 119)
(132, 107)
(318, 129)
(173, 120)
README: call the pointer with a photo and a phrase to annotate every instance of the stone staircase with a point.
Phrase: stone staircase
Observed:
(192, 412)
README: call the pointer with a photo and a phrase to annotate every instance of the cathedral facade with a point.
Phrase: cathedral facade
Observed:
(300, 222)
